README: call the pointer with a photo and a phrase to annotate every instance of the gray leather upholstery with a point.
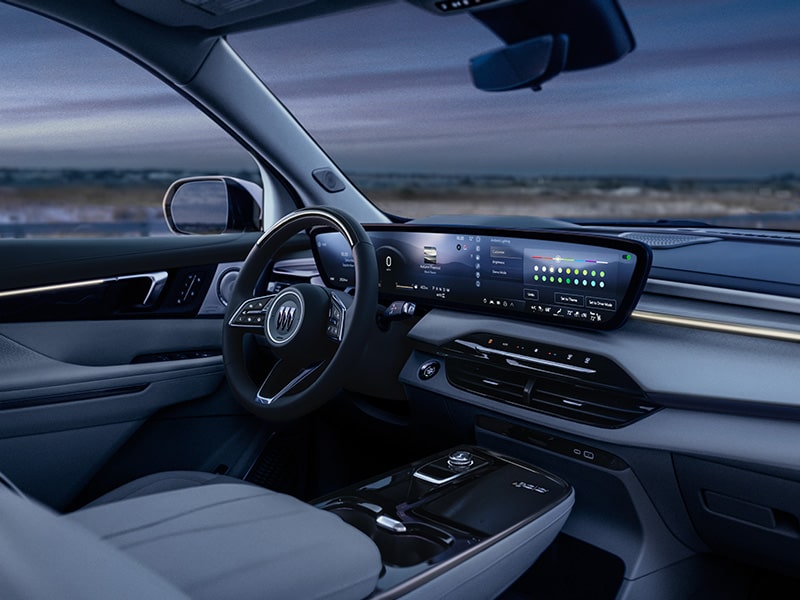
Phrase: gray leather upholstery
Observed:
(162, 482)
(45, 556)
(234, 540)
(180, 535)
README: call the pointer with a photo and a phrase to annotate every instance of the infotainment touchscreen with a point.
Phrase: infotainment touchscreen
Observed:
(581, 280)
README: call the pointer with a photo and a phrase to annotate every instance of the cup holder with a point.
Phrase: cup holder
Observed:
(415, 546)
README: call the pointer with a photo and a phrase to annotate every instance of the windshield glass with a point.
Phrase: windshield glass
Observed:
(700, 122)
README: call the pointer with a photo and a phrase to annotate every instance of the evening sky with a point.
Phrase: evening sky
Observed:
(712, 90)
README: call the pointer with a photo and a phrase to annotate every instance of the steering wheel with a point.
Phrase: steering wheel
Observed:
(317, 334)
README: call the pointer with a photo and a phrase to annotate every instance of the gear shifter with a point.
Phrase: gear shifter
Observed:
(447, 468)
(460, 460)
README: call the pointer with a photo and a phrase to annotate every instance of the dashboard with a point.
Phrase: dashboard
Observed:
(579, 280)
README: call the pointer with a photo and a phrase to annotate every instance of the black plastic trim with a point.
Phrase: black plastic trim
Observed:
(72, 397)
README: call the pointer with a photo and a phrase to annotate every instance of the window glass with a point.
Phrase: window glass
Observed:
(700, 121)
(90, 141)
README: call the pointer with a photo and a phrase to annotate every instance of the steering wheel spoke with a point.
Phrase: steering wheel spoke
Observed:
(285, 380)
(251, 314)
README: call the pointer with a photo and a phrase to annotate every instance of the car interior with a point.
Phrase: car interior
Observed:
(295, 394)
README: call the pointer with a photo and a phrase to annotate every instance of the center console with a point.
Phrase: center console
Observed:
(463, 523)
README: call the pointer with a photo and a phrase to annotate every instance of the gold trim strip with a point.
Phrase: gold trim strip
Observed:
(51, 288)
(751, 330)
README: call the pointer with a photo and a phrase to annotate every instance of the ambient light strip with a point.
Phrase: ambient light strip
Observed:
(751, 330)
(52, 288)
(157, 282)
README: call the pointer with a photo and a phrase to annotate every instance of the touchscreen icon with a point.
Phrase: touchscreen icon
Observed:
(429, 255)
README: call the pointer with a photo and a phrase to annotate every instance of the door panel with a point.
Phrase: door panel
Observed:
(117, 342)
(74, 391)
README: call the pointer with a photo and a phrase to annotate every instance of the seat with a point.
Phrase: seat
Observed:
(45, 556)
(161, 482)
(183, 534)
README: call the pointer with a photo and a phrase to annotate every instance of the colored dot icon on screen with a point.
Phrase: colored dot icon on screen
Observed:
(594, 273)
(536, 278)
(602, 284)
(594, 283)
(560, 280)
(602, 273)
(585, 272)
(584, 282)
(626, 257)
(552, 279)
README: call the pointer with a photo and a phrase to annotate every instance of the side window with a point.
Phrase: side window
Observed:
(89, 141)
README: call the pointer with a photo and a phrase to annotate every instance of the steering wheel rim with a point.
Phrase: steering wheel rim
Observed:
(305, 378)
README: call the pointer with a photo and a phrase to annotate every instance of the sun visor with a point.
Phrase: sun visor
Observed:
(228, 16)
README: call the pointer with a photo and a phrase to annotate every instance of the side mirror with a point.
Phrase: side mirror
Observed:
(207, 205)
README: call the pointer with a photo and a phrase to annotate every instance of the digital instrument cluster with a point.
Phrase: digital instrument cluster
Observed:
(576, 279)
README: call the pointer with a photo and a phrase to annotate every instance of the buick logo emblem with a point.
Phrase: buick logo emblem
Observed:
(285, 318)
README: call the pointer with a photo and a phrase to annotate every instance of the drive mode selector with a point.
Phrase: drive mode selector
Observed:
(460, 460)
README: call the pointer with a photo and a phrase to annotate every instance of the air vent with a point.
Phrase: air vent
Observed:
(487, 380)
(593, 405)
(596, 406)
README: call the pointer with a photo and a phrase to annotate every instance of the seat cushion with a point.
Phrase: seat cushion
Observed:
(45, 556)
(234, 540)
(162, 482)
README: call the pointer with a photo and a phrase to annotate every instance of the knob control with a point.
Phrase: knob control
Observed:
(460, 460)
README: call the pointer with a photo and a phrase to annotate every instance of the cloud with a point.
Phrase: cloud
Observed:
(712, 88)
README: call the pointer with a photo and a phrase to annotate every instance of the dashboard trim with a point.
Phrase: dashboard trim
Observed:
(718, 326)
(722, 295)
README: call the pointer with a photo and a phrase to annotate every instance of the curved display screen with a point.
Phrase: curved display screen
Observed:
(574, 279)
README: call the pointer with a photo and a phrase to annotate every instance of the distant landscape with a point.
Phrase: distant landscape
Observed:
(72, 202)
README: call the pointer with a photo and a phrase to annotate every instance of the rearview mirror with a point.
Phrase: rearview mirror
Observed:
(208, 205)
(526, 64)
(543, 38)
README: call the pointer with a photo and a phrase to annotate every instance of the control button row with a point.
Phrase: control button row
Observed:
(251, 313)
(516, 359)
(335, 319)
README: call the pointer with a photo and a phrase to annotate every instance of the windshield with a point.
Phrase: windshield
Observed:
(700, 122)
